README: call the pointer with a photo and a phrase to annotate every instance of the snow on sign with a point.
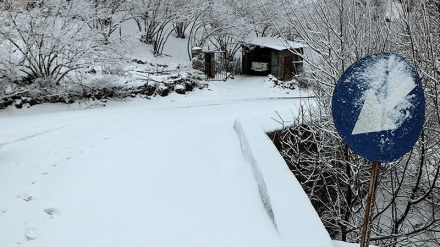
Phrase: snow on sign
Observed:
(378, 107)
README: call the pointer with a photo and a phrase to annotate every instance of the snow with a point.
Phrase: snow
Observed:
(343, 244)
(163, 172)
(276, 183)
(386, 101)
(182, 170)
(275, 43)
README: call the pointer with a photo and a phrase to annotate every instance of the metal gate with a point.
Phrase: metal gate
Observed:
(215, 66)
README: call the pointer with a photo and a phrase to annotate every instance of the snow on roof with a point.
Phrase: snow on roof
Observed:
(275, 43)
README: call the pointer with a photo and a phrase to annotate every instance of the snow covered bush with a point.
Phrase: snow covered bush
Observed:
(44, 45)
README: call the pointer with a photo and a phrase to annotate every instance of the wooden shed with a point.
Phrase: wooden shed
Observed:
(275, 56)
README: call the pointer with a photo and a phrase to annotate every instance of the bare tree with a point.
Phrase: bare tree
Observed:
(338, 33)
(185, 12)
(157, 19)
(223, 25)
(335, 179)
(105, 16)
(410, 188)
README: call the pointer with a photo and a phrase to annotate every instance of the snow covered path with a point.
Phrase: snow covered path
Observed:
(167, 172)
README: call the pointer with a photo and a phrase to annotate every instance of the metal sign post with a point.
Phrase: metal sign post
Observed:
(368, 216)
(378, 108)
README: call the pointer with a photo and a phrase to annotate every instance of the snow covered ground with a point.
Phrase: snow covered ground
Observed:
(183, 170)
(162, 172)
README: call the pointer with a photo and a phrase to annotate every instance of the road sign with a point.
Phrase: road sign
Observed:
(378, 107)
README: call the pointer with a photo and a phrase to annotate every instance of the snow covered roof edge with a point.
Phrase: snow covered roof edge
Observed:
(278, 44)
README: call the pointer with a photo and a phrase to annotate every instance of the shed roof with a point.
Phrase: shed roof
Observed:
(278, 44)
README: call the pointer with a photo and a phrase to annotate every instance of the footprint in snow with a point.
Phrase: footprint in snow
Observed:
(31, 234)
(25, 197)
(3, 208)
(52, 212)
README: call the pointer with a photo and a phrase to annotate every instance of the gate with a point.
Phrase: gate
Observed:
(215, 66)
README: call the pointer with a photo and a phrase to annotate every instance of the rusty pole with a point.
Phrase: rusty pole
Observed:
(366, 227)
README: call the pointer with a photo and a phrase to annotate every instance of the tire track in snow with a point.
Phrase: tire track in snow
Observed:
(233, 101)
(29, 136)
